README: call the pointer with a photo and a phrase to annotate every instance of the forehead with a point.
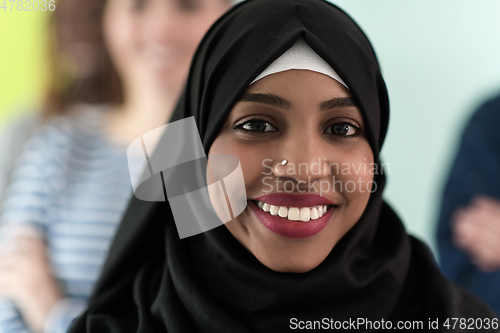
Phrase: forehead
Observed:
(299, 90)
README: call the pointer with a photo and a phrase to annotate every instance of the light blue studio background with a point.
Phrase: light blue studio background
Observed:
(440, 60)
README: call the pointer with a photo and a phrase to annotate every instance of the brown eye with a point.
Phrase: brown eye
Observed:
(343, 129)
(256, 125)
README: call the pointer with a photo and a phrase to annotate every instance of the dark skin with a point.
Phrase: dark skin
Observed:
(296, 115)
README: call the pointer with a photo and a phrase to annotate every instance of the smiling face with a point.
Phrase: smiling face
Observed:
(170, 31)
(153, 41)
(298, 211)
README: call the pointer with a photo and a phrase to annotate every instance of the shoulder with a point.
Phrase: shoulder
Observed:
(490, 107)
(15, 135)
(21, 127)
(488, 113)
(482, 126)
(78, 126)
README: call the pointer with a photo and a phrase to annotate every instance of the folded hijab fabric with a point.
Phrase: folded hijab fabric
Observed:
(155, 282)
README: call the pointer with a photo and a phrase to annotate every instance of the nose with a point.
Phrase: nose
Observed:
(304, 158)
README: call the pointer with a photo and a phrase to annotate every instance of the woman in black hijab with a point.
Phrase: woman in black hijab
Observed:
(342, 259)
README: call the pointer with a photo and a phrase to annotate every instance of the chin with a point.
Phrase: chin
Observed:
(293, 267)
(280, 254)
(289, 265)
(169, 78)
(167, 81)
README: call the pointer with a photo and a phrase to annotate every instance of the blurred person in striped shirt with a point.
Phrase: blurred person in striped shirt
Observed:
(72, 183)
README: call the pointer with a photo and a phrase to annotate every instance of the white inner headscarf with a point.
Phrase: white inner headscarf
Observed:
(301, 56)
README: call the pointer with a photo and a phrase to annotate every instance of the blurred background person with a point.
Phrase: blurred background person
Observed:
(469, 224)
(72, 183)
(80, 71)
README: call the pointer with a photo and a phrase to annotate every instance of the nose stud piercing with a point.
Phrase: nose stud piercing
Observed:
(284, 162)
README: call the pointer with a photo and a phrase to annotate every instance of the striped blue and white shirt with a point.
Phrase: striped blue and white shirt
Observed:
(73, 184)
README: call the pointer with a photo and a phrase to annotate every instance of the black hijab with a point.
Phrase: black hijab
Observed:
(155, 282)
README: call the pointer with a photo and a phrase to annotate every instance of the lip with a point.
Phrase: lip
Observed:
(291, 229)
(293, 200)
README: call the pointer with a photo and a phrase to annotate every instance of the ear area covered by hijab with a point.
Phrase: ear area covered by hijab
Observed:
(155, 282)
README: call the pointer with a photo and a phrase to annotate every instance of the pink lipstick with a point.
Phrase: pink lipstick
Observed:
(293, 216)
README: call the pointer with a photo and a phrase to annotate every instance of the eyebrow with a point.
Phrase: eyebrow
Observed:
(273, 100)
(268, 99)
(338, 102)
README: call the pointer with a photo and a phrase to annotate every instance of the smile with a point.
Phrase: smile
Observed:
(293, 216)
(303, 214)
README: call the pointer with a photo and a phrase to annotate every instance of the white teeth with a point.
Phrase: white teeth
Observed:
(314, 213)
(274, 210)
(293, 214)
(304, 214)
(322, 210)
(283, 212)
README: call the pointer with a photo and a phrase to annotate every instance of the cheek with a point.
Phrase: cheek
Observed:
(198, 25)
(251, 158)
(356, 174)
(196, 31)
(119, 34)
